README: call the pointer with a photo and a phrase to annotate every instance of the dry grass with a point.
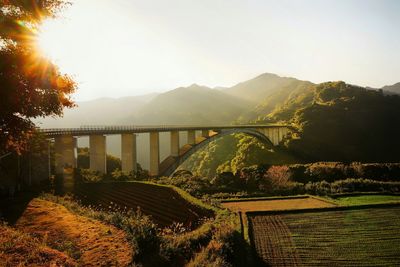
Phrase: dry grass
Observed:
(20, 249)
(88, 241)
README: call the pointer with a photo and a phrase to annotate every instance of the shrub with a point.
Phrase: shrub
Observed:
(88, 176)
(119, 175)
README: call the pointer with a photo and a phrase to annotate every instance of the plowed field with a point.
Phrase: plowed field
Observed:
(276, 204)
(163, 204)
(356, 237)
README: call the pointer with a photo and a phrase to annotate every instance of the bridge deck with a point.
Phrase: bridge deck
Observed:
(109, 130)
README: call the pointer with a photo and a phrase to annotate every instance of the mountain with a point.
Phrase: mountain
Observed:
(343, 122)
(192, 105)
(335, 121)
(296, 94)
(102, 111)
(262, 86)
(395, 88)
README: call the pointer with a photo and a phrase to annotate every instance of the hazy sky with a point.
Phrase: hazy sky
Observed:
(126, 47)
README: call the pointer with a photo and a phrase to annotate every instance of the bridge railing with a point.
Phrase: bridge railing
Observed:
(117, 129)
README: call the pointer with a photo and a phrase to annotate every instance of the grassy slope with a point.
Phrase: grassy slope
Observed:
(81, 238)
(366, 199)
(20, 249)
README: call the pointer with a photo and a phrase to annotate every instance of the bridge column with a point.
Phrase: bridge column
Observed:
(128, 153)
(97, 153)
(175, 143)
(275, 135)
(191, 136)
(65, 160)
(205, 133)
(64, 153)
(154, 153)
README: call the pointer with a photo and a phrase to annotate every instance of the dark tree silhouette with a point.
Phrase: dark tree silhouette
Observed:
(31, 85)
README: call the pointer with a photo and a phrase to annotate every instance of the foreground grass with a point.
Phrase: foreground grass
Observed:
(367, 199)
(21, 249)
(214, 243)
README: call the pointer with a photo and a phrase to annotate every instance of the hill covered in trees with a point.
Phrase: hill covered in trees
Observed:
(335, 121)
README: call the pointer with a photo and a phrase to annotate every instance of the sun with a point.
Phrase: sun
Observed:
(48, 39)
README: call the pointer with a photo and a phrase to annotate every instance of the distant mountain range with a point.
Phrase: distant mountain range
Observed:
(395, 88)
(266, 98)
(194, 104)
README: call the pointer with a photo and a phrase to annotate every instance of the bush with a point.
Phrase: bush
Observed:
(119, 175)
(88, 176)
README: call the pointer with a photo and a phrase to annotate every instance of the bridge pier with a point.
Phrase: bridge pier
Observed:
(205, 133)
(154, 153)
(191, 137)
(97, 153)
(175, 143)
(64, 153)
(65, 159)
(128, 153)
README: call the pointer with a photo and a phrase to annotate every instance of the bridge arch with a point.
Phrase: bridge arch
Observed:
(170, 164)
(65, 143)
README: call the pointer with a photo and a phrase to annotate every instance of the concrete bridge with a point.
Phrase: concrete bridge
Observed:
(65, 143)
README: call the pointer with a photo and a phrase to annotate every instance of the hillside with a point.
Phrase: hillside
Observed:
(335, 121)
(395, 88)
(348, 123)
(102, 111)
(192, 105)
(295, 95)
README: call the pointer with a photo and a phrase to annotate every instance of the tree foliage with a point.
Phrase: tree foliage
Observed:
(31, 85)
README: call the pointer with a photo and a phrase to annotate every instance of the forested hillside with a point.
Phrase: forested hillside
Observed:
(335, 121)
(348, 123)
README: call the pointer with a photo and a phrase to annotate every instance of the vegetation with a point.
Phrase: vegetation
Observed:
(347, 123)
(319, 178)
(31, 85)
(217, 237)
(164, 204)
(366, 199)
(21, 249)
(232, 153)
(335, 121)
(28, 170)
(114, 173)
(346, 238)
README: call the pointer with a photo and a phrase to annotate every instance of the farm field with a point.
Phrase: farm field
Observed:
(366, 199)
(163, 204)
(276, 204)
(354, 237)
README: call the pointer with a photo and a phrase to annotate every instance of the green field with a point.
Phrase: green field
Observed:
(356, 237)
(366, 199)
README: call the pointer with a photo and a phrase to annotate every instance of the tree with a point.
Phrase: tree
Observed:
(31, 85)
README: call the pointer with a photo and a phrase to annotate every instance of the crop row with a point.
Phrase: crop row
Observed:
(163, 204)
(364, 237)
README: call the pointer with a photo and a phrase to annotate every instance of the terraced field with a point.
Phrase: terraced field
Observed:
(163, 204)
(355, 237)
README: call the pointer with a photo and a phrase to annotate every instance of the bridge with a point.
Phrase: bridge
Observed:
(65, 143)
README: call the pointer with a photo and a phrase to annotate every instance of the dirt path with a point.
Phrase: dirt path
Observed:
(90, 242)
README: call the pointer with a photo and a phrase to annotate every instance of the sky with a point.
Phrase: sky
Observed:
(133, 47)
